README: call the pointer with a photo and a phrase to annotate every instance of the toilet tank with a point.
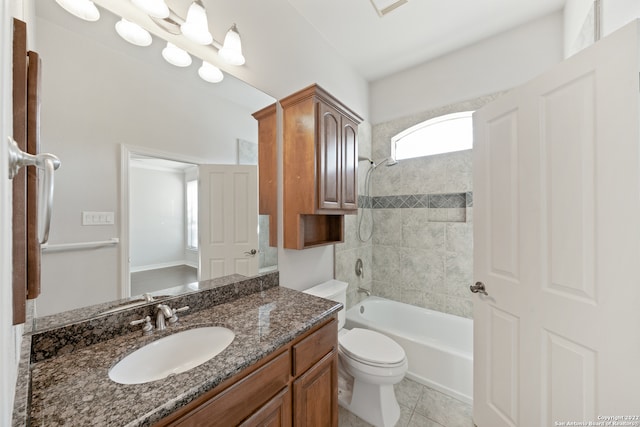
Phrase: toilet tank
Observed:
(334, 290)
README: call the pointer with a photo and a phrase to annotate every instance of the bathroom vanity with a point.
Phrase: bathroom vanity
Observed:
(297, 383)
(280, 369)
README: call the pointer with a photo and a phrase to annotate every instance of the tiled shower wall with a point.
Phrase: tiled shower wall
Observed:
(422, 242)
(421, 252)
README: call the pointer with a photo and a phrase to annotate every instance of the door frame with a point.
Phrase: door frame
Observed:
(126, 151)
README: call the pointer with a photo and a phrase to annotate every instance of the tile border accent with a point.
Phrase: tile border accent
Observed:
(433, 201)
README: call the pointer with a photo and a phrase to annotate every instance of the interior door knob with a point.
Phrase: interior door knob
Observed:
(478, 288)
(251, 252)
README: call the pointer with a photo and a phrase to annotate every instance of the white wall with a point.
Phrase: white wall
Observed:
(493, 65)
(157, 211)
(618, 13)
(579, 17)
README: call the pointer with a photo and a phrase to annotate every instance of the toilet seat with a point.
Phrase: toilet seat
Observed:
(371, 348)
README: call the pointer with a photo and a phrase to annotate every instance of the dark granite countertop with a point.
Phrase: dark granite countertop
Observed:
(73, 388)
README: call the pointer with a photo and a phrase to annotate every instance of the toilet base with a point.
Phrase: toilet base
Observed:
(376, 404)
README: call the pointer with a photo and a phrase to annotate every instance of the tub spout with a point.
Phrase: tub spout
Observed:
(366, 291)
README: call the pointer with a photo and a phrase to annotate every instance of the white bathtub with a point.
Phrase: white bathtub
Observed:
(439, 346)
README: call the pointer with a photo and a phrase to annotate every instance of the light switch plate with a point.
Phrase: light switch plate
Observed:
(97, 218)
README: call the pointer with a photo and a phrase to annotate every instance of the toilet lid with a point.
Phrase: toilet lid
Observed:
(371, 346)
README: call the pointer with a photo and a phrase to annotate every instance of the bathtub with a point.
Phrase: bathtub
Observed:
(439, 346)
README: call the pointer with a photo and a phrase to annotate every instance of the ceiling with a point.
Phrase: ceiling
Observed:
(416, 31)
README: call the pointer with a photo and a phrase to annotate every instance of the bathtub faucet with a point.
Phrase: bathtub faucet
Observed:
(366, 291)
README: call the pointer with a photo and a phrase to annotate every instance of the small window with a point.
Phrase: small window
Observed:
(192, 214)
(444, 134)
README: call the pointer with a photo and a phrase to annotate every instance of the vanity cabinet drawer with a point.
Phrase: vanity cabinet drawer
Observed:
(314, 347)
(231, 406)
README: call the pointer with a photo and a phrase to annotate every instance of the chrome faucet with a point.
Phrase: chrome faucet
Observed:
(163, 312)
(366, 291)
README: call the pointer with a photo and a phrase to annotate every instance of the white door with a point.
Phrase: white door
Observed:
(228, 220)
(557, 244)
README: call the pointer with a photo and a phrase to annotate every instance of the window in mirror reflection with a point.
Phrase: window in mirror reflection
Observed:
(192, 214)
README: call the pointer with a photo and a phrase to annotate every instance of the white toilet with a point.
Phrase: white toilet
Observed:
(373, 361)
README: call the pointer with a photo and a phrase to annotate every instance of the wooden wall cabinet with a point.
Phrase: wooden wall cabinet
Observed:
(320, 151)
(268, 168)
(295, 386)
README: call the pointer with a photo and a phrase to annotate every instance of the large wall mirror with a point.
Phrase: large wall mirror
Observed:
(131, 131)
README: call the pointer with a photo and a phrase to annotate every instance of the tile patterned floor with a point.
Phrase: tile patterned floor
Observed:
(420, 406)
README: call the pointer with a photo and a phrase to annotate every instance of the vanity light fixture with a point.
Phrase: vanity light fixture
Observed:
(176, 56)
(231, 51)
(133, 33)
(155, 8)
(196, 26)
(83, 9)
(210, 73)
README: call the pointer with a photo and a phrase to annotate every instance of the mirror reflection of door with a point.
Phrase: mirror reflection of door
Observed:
(163, 245)
(182, 229)
(228, 220)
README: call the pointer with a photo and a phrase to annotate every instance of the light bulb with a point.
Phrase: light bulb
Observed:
(231, 51)
(83, 9)
(210, 73)
(155, 8)
(196, 27)
(133, 33)
(176, 56)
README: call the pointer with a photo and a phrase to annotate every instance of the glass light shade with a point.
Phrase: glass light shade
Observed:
(133, 33)
(83, 9)
(231, 51)
(176, 56)
(196, 27)
(210, 73)
(155, 8)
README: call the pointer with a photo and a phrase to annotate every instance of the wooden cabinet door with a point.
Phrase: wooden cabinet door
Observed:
(316, 394)
(275, 413)
(268, 168)
(329, 157)
(349, 164)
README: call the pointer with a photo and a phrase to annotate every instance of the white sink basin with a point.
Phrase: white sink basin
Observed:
(171, 355)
